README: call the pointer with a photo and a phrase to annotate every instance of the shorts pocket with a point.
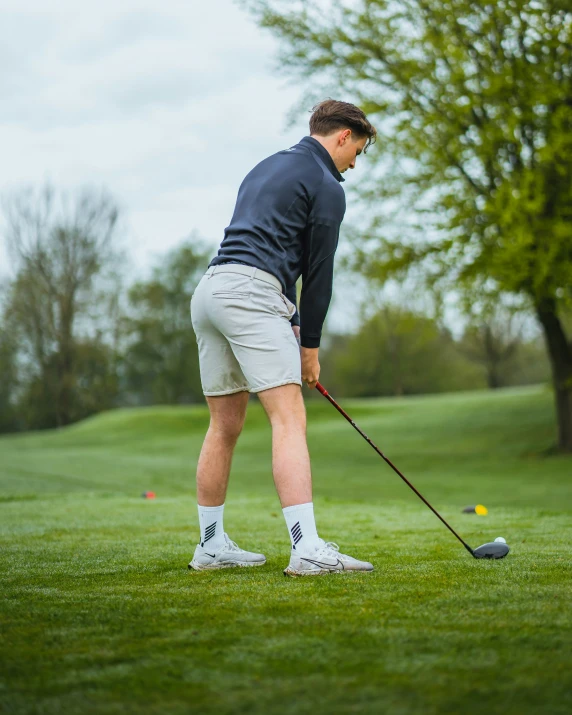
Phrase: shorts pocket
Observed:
(284, 308)
(290, 307)
(230, 294)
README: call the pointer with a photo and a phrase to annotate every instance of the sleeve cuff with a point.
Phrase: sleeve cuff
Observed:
(307, 341)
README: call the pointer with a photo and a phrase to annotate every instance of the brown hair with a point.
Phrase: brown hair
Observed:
(329, 115)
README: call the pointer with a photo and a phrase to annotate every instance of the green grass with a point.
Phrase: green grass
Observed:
(101, 615)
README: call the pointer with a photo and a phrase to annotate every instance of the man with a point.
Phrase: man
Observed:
(285, 225)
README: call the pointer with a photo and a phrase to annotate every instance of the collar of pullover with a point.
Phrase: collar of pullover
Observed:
(324, 155)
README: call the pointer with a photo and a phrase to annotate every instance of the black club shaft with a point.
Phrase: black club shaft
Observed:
(330, 399)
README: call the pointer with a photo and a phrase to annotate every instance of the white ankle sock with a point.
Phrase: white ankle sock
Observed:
(211, 524)
(302, 527)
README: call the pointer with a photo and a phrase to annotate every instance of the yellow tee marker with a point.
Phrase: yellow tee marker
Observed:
(481, 510)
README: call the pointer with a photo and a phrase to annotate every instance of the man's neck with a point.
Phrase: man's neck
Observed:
(329, 144)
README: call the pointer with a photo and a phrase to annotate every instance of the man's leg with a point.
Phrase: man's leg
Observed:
(292, 475)
(227, 420)
(286, 411)
(215, 550)
(290, 458)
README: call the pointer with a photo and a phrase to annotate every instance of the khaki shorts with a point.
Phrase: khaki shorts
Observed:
(242, 323)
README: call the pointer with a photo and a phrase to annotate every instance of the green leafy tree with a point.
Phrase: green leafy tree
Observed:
(396, 352)
(95, 386)
(474, 111)
(161, 364)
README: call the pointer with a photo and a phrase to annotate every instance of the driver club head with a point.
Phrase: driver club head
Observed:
(494, 550)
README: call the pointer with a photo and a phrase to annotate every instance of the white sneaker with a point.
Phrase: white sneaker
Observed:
(227, 557)
(325, 559)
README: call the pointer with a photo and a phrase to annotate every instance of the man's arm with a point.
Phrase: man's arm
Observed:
(317, 275)
(318, 270)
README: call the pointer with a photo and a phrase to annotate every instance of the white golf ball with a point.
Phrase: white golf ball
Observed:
(500, 539)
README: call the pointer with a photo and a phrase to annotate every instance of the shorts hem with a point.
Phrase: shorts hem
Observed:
(226, 392)
(277, 384)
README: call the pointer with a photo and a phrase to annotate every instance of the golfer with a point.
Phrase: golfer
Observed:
(252, 338)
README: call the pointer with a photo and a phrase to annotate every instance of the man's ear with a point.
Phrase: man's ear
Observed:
(345, 135)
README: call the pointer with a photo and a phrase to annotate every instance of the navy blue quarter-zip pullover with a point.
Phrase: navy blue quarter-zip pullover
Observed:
(286, 222)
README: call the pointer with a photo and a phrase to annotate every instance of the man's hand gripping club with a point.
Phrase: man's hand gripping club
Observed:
(309, 359)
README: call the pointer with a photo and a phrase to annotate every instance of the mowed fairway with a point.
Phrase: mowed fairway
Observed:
(100, 615)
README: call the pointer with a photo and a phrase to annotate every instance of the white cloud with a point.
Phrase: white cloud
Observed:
(168, 105)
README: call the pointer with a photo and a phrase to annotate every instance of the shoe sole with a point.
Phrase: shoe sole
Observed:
(217, 567)
(322, 572)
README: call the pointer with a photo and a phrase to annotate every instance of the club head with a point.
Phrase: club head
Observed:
(494, 550)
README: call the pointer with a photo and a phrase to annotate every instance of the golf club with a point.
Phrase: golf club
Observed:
(494, 550)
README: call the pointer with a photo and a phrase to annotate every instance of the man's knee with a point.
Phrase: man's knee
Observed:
(228, 413)
(227, 428)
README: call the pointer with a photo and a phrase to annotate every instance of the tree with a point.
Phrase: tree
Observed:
(60, 245)
(161, 363)
(493, 340)
(474, 156)
(397, 352)
(507, 357)
(492, 349)
(9, 373)
(530, 365)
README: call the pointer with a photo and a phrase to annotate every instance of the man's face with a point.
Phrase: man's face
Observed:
(347, 150)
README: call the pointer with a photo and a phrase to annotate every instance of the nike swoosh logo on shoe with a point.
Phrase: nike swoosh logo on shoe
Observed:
(324, 566)
(211, 555)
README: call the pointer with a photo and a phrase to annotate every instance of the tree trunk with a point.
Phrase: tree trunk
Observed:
(492, 358)
(65, 349)
(560, 353)
(493, 377)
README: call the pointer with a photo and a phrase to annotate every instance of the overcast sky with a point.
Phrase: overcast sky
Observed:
(168, 105)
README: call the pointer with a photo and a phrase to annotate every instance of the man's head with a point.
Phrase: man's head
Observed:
(343, 129)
